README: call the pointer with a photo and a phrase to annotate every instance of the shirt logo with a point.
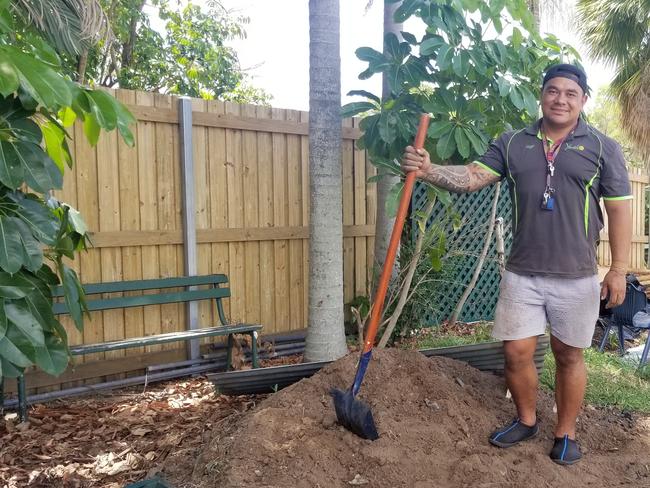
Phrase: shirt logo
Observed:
(574, 148)
(530, 146)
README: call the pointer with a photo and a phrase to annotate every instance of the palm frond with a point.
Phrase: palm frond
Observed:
(70, 25)
(634, 98)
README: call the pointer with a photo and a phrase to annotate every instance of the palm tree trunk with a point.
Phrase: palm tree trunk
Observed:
(325, 335)
(384, 223)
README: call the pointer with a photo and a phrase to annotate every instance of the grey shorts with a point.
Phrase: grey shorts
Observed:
(528, 303)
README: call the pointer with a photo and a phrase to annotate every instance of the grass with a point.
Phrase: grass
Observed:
(611, 380)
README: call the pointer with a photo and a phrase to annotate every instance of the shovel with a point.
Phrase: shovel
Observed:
(351, 413)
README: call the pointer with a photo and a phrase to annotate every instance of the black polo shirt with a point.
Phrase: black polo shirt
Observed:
(589, 166)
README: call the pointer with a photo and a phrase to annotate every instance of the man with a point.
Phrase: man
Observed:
(557, 170)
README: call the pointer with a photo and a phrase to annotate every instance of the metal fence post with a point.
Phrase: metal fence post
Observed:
(189, 219)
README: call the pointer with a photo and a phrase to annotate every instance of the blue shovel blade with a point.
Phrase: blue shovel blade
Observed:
(353, 414)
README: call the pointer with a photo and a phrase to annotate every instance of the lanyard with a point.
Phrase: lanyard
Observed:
(550, 153)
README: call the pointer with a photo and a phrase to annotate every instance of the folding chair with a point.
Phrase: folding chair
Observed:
(641, 320)
(623, 315)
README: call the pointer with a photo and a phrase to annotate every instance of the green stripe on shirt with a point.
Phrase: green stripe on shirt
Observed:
(485, 166)
(626, 197)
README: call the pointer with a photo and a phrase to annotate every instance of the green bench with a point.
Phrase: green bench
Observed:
(217, 289)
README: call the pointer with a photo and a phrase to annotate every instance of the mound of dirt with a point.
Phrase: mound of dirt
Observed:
(433, 416)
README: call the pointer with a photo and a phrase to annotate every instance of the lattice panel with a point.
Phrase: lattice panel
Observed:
(464, 248)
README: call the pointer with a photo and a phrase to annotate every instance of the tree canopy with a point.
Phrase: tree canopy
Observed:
(189, 56)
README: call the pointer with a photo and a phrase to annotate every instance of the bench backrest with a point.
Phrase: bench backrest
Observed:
(217, 289)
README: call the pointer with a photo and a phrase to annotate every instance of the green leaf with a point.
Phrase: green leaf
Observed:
(9, 351)
(76, 220)
(430, 45)
(8, 369)
(44, 84)
(462, 142)
(52, 357)
(516, 98)
(124, 119)
(67, 116)
(32, 250)
(370, 55)
(11, 170)
(3, 319)
(406, 9)
(103, 107)
(364, 93)
(477, 144)
(8, 78)
(504, 86)
(446, 146)
(55, 145)
(74, 296)
(530, 101)
(14, 286)
(439, 128)
(387, 127)
(41, 173)
(11, 246)
(517, 38)
(19, 315)
(408, 37)
(355, 108)
(39, 218)
(445, 55)
(91, 129)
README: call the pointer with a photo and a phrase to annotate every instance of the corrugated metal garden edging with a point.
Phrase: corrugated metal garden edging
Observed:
(485, 357)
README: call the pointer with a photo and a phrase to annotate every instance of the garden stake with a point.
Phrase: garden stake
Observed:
(353, 414)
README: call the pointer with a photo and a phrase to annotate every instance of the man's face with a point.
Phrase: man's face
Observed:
(562, 101)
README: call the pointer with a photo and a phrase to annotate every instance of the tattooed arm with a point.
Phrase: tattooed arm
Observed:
(457, 179)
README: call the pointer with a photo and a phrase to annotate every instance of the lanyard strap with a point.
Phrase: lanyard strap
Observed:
(550, 153)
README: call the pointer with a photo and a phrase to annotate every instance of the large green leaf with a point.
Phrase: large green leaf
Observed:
(20, 316)
(74, 296)
(39, 217)
(44, 84)
(406, 9)
(14, 285)
(3, 319)
(355, 108)
(462, 142)
(11, 169)
(11, 246)
(8, 77)
(446, 145)
(91, 129)
(56, 146)
(370, 55)
(41, 173)
(445, 55)
(430, 45)
(32, 249)
(52, 357)
(8, 369)
(10, 351)
(516, 98)
(103, 107)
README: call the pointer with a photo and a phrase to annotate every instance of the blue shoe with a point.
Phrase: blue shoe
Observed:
(565, 451)
(513, 434)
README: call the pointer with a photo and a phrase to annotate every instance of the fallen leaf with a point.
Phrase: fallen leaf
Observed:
(358, 480)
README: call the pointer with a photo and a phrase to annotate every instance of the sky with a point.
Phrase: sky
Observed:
(276, 50)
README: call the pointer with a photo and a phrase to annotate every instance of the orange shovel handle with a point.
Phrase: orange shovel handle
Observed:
(380, 295)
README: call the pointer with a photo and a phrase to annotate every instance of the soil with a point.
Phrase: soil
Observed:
(433, 416)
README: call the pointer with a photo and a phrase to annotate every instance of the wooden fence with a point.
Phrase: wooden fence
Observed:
(640, 180)
(251, 198)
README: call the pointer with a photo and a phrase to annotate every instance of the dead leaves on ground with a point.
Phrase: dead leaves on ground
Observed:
(110, 441)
